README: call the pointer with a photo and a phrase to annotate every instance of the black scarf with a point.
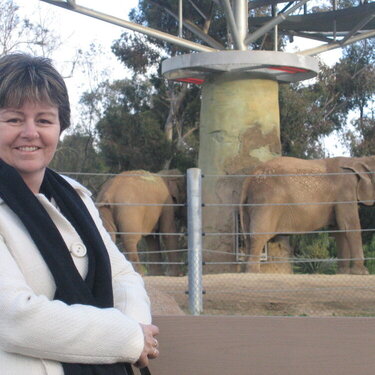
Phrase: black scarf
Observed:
(96, 289)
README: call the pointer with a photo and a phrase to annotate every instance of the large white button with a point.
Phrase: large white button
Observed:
(78, 249)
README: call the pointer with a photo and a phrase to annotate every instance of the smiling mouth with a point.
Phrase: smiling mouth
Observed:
(28, 148)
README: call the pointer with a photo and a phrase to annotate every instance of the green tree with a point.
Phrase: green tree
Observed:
(300, 132)
(130, 133)
(77, 157)
(346, 90)
(175, 106)
(21, 34)
(357, 82)
(308, 112)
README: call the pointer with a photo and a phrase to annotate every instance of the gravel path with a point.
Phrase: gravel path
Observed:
(270, 294)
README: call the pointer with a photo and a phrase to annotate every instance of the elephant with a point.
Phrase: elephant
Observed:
(282, 190)
(118, 205)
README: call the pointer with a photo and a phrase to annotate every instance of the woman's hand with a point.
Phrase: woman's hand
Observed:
(150, 349)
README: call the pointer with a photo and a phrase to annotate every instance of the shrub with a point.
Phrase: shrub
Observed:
(315, 254)
(369, 252)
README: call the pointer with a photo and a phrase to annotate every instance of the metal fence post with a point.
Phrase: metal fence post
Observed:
(194, 212)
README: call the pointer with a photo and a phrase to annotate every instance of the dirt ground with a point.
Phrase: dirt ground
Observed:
(268, 294)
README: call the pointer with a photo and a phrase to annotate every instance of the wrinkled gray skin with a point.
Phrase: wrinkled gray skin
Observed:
(357, 187)
(140, 186)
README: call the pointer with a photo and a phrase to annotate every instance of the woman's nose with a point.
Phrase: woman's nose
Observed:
(29, 130)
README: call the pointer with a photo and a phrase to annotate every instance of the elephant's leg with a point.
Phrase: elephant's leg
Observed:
(168, 225)
(260, 221)
(154, 255)
(343, 252)
(356, 251)
(130, 242)
(171, 243)
(347, 218)
(256, 246)
(130, 226)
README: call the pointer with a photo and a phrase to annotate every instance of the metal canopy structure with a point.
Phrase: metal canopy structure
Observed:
(334, 27)
(341, 20)
(278, 66)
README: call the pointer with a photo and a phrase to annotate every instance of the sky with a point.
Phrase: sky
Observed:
(80, 28)
(77, 31)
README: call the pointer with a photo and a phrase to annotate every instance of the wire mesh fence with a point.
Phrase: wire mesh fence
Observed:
(300, 274)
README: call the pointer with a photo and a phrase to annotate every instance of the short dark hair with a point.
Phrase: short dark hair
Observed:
(29, 78)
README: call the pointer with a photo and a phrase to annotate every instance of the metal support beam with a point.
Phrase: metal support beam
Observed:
(198, 10)
(238, 43)
(271, 24)
(331, 46)
(180, 18)
(241, 15)
(358, 27)
(194, 200)
(275, 30)
(253, 4)
(319, 37)
(237, 24)
(208, 20)
(132, 26)
(192, 27)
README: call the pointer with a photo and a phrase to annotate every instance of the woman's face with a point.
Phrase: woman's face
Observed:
(28, 139)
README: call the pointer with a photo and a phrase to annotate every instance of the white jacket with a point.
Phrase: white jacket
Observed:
(37, 332)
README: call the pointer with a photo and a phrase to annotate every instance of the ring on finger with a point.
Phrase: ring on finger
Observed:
(155, 343)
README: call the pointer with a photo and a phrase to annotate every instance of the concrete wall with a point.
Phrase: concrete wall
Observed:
(213, 345)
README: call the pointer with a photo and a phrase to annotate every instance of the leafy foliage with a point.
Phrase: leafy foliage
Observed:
(77, 157)
(148, 107)
(308, 113)
(300, 131)
(369, 251)
(17, 33)
(158, 15)
(315, 253)
(357, 77)
(132, 139)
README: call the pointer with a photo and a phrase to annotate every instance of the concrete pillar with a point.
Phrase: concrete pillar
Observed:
(239, 126)
(239, 129)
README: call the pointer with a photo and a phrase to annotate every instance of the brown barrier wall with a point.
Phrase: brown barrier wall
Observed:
(214, 345)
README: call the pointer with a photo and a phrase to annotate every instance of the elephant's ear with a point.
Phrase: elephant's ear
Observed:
(173, 189)
(365, 186)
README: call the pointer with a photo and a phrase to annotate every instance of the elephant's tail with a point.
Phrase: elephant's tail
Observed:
(107, 219)
(244, 212)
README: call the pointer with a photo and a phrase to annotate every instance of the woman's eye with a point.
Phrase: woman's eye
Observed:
(14, 121)
(44, 122)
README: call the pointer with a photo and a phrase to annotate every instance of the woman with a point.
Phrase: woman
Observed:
(70, 303)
